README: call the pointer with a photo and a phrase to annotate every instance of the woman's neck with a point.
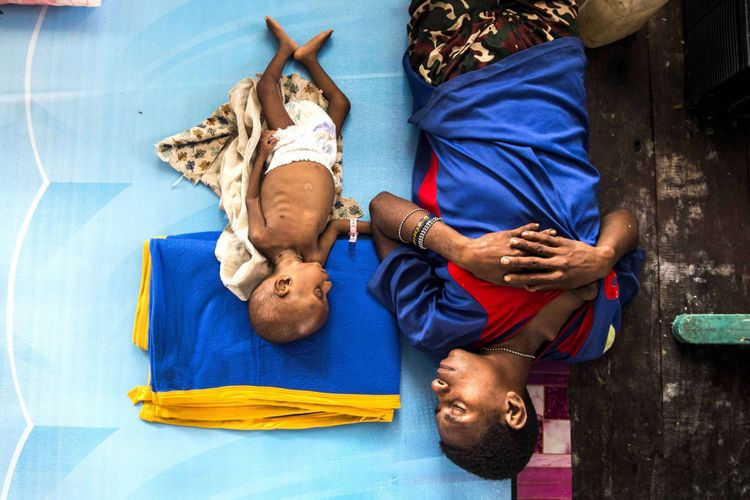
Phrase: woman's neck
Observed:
(545, 326)
(511, 368)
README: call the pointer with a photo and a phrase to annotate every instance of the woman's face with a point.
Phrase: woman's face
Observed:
(469, 391)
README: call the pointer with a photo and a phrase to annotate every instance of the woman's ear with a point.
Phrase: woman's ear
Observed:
(282, 285)
(515, 412)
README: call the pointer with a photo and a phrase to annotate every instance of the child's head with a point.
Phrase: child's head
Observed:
(292, 303)
(486, 425)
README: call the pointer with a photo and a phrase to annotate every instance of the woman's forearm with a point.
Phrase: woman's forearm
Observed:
(480, 256)
(391, 215)
(447, 242)
(618, 235)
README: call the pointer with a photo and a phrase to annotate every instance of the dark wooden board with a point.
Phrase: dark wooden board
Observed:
(703, 208)
(615, 402)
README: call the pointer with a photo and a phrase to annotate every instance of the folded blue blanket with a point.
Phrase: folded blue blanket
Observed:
(209, 369)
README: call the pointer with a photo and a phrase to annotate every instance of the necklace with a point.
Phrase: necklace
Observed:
(505, 349)
(293, 252)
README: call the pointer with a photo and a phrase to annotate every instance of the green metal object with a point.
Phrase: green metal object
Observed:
(732, 329)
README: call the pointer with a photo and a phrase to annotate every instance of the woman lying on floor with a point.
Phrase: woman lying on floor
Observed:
(502, 258)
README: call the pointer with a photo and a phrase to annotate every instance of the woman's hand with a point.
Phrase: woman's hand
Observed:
(559, 262)
(482, 256)
(267, 143)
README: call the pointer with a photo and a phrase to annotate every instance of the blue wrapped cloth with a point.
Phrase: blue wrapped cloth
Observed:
(511, 141)
(501, 147)
(209, 369)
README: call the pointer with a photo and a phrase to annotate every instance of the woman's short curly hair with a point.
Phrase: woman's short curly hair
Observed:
(500, 452)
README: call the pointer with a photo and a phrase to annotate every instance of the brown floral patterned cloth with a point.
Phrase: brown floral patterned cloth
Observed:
(448, 38)
(196, 153)
(219, 152)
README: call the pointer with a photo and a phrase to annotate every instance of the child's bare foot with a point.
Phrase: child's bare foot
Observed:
(286, 42)
(310, 50)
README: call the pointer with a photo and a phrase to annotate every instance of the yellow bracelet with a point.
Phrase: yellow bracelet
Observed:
(418, 228)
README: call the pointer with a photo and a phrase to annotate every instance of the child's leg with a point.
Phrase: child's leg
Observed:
(338, 104)
(268, 85)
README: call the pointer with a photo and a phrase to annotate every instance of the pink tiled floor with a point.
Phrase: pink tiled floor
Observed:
(548, 475)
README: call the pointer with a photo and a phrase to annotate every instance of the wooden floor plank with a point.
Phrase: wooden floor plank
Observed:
(702, 212)
(615, 402)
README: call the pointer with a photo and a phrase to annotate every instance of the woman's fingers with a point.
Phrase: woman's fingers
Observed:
(520, 230)
(534, 282)
(532, 247)
(541, 237)
(527, 262)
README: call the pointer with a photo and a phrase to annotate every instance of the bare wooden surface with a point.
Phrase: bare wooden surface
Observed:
(626, 381)
(654, 418)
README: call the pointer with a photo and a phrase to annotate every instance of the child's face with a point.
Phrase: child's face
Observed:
(308, 291)
(309, 282)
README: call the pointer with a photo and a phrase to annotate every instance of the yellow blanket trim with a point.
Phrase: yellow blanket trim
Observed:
(240, 395)
(261, 408)
(140, 325)
(251, 413)
(148, 413)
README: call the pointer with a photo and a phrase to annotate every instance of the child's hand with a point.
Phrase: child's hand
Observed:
(267, 143)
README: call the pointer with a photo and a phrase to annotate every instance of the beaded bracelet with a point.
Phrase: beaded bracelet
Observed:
(418, 229)
(401, 226)
(424, 230)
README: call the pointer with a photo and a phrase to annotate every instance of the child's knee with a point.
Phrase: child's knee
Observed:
(342, 102)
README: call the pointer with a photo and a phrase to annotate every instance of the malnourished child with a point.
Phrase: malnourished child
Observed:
(288, 207)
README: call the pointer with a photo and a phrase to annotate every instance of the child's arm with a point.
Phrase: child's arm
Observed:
(256, 222)
(333, 230)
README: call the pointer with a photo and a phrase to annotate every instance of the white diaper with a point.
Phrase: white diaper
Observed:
(311, 138)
